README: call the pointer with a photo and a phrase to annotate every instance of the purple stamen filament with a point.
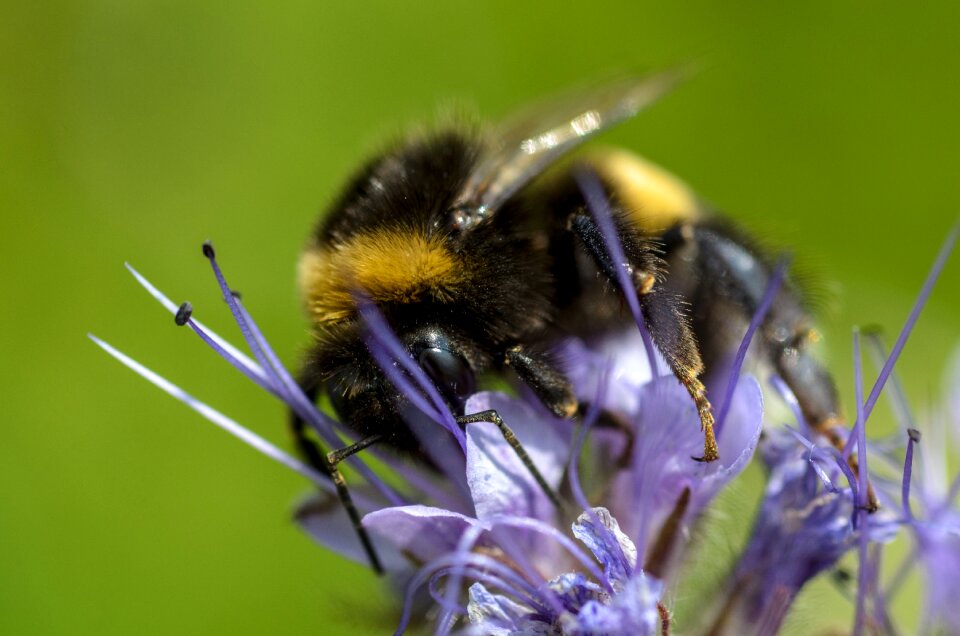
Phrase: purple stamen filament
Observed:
(272, 382)
(913, 436)
(773, 286)
(599, 207)
(925, 292)
(160, 297)
(238, 317)
(284, 385)
(382, 334)
(862, 496)
(461, 564)
(788, 396)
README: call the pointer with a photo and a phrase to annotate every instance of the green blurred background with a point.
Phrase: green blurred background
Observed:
(135, 130)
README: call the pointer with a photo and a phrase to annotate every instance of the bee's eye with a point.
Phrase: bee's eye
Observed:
(451, 373)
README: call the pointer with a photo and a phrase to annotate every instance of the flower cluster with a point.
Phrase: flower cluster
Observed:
(592, 541)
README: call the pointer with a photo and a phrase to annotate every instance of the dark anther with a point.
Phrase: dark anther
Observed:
(208, 250)
(183, 314)
(872, 330)
(842, 576)
(914, 434)
(236, 294)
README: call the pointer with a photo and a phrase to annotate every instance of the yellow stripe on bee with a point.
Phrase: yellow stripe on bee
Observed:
(387, 265)
(654, 198)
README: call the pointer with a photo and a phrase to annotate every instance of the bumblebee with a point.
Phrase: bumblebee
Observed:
(481, 252)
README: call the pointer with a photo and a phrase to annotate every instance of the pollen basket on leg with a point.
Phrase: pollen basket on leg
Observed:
(387, 265)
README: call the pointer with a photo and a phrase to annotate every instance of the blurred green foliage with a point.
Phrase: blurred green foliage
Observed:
(133, 130)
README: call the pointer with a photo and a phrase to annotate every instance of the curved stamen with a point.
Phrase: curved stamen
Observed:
(599, 206)
(478, 575)
(218, 418)
(913, 437)
(564, 541)
(480, 561)
(814, 454)
(788, 396)
(769, 294)
(378, 329)
(918, 306)
(861, 500)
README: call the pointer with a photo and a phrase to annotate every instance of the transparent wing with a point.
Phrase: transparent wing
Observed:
(525, 145)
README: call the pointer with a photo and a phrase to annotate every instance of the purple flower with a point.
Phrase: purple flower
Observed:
(805, 524)
(481, 519)
(495, 549)
(930, 511)
(808, 519)
(584, 607)
(651, 480)
(656, 469)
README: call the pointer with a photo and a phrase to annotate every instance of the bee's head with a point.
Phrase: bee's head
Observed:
(367, 400)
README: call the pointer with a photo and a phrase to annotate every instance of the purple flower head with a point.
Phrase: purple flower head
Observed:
(625, 602)
(477, 521)
(930, 510)
(493, 537)
(805, 524)
(525, 575)
(651, 468)
(808, 518)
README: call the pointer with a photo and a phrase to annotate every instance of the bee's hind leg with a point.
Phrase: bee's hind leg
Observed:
(726, 278)
(663, 312)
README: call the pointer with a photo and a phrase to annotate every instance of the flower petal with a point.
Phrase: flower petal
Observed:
(499, 482)
(493, 614)
(422, 532)
(324, 519)
(600, 532)
(574, 590)
(738, 441)
(632, 612)
(620, 357)
(668, 437)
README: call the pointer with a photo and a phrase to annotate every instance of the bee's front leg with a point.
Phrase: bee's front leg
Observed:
(546, 381)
